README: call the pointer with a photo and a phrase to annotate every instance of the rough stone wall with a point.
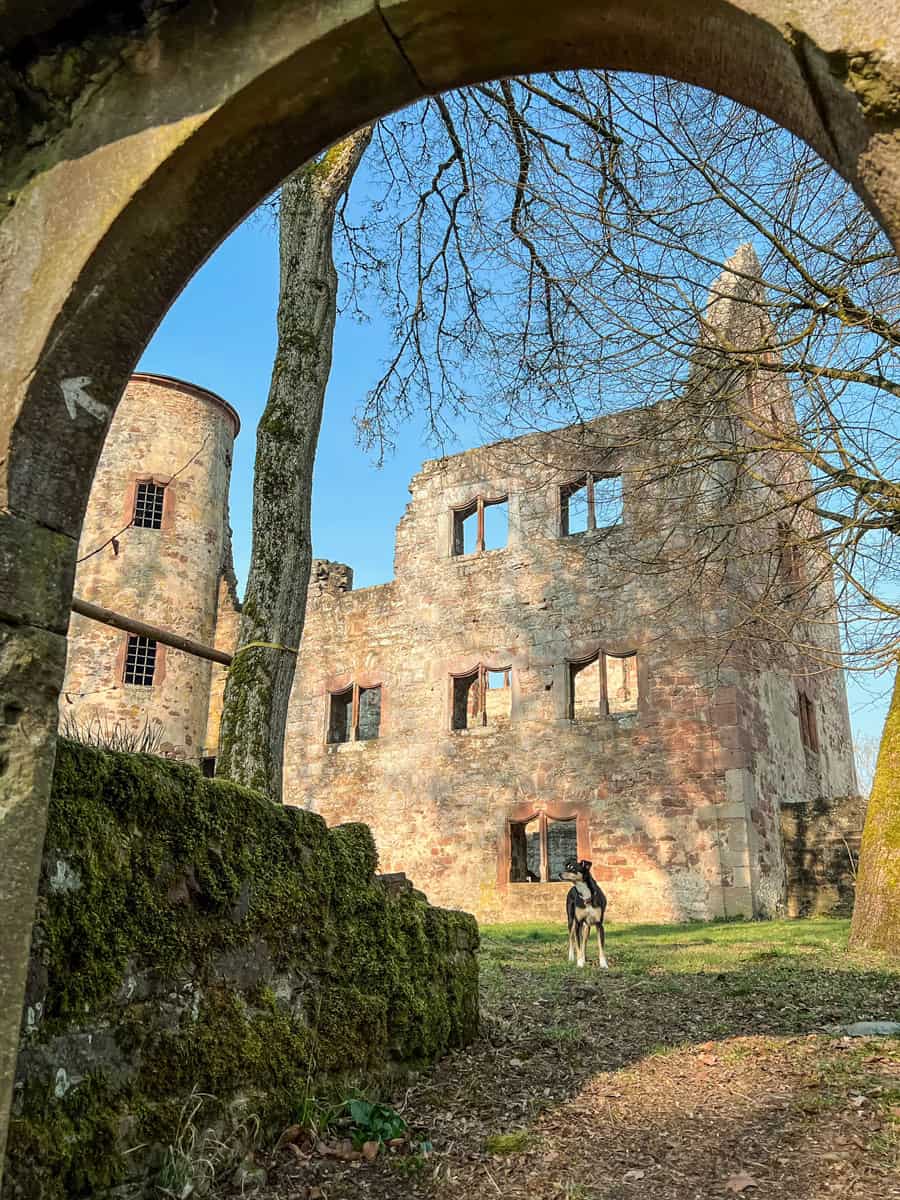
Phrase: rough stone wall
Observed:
(667, 800)
(822, 842)
(172, 433)
(196, 943)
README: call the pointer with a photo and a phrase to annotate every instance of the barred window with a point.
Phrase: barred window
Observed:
(140, 661)
(148, 505)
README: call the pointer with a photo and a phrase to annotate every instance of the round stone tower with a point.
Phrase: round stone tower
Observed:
(155, 546)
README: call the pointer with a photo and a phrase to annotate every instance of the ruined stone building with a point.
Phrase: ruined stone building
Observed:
(532, 684)
(156, 546)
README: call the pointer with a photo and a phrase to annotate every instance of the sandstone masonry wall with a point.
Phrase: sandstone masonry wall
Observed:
(676, 804)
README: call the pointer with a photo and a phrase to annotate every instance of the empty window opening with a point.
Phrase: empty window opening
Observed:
(148, 505)
(340, 716)
(465, 700)
(608, 501)
(481, 525)
(140, 661)
(621, 683)
(573, 503)
(498, 696)
(354, 714)
(481, 697)
(604, 684)
(806, 711)
(790, 556)
(465, 529)
(496, 524)
(208, 766)
(539, 847)
(590, 502)
(525, 851)
(585, 692)
(562, 844)
(369, 722)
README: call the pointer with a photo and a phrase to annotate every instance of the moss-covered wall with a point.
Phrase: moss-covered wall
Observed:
(194, 937)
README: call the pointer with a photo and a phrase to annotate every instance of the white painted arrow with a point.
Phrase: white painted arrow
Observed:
(76, 396)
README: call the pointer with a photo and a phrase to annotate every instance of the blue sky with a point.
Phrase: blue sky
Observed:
(220, 333)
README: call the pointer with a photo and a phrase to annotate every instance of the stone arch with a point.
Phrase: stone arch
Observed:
(158, 135)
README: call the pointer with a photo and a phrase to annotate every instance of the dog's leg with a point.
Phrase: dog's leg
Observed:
(583, 933)
(571, 941)
(601, 948)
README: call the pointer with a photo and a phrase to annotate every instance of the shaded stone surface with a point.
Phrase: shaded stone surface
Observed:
(194, 938)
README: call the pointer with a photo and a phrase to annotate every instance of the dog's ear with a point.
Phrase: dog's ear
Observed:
(586, 864)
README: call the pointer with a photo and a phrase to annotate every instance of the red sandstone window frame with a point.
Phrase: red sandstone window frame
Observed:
(806, 714)
(523, 815)
(355, 689)
(575, 665)
(567, 490)
(479, 676)
(461, 513)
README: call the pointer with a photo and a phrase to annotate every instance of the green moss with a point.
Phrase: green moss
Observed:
(508, 1143)
(235, 947)
(65, 1148)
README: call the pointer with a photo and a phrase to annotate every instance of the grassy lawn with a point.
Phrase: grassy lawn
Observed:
(705, 980)
(703, 1063)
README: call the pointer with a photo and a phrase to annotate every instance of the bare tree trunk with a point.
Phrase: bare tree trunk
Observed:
(259, 681)
(876, 913)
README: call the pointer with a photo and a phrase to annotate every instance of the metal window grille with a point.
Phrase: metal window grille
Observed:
(140, 661)
(148, 505)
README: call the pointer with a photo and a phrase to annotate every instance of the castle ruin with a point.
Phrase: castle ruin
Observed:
(532, 684)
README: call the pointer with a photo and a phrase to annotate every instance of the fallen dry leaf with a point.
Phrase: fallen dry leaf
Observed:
(370, 1151)
(740, 1182)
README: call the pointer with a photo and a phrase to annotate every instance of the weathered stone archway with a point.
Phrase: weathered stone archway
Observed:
(142, 133)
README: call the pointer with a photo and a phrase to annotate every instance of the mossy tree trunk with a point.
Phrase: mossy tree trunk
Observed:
(876, 913)
(259, 681)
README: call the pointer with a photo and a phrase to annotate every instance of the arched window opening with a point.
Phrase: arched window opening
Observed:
(590, 502)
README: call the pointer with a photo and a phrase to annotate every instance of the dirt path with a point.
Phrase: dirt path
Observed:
(700, 1066)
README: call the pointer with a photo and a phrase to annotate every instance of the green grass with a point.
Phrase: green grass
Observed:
(689, 982)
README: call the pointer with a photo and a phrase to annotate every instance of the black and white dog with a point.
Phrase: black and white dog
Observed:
(585, 906)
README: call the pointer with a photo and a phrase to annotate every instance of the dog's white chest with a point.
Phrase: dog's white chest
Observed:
(587, 911)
